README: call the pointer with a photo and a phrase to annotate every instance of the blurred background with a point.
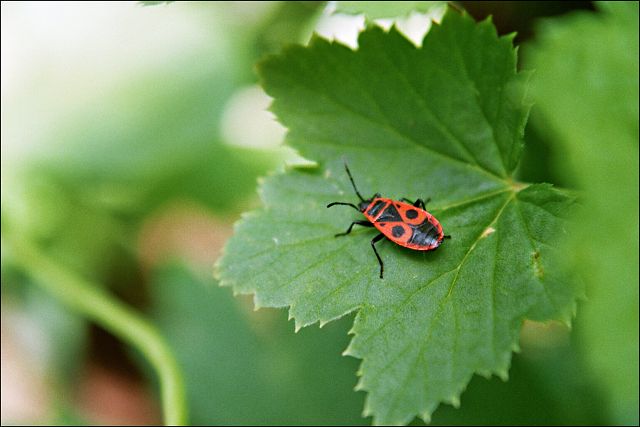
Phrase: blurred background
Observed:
(132, 138)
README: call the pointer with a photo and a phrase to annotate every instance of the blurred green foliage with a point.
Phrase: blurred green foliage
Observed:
(545, 387)
(387, 9)
(111, 163)
(103, 170)
(248, 367)
(587, 94)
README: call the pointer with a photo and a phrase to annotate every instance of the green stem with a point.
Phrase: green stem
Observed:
(89, 300)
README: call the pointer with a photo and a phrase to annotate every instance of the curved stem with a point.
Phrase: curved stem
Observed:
(89, 300)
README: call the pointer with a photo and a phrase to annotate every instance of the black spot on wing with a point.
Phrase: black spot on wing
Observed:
(397, 231)
(412, 213)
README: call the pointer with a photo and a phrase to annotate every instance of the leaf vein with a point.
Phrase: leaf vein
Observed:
(439, 123)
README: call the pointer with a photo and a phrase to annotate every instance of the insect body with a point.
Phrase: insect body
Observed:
(407, 224)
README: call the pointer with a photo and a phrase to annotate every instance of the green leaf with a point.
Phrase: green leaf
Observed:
(587, 96)
(443, 121)
(386, 9)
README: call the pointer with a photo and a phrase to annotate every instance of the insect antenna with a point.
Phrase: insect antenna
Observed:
(352, 183)
(343, 204)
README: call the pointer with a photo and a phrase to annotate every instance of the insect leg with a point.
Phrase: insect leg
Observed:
(363, 223)
(373, 245)
(422, 203)
(419, 203)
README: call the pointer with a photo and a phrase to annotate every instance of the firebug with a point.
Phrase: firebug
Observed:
(403, 222)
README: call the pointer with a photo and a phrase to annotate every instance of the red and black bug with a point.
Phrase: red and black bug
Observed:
(403, 222)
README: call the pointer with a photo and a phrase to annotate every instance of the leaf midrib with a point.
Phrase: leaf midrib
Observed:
(438, 312)
(457, 268)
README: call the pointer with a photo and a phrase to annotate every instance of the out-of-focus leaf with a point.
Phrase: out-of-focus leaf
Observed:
(548, 385)
(156, 140)
(387, 9)
(289, 22)
(54, 337)
(105, 168)
(244, 367)
(153, 3)
(537, 155)
(586, 89)
(140, 140)
(443, 121)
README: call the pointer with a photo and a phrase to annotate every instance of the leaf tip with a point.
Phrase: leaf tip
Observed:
(484, 373)
(316, 38)
(566, 321)
(257, 305)
(348, 351)
(454, 401)
(503, 374)
(426, 417)
(510, 36)
(367, 411)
